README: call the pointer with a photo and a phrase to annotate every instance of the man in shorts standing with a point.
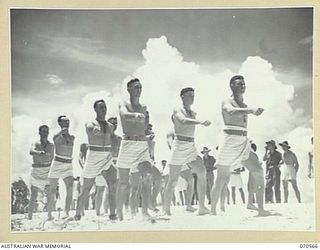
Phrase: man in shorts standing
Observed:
(235, 149)
(99, 158)
(183, 150)
(42, 153)
(134, 157)
(62, 165)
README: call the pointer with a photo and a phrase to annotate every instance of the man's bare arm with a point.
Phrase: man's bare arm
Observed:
(227, 106)
(129, 115)
(188, 121)
(33, 150)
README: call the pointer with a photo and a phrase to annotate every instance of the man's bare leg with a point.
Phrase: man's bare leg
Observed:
(33, 198)
(68, 181)
(111, 178)
(169, 189)
(233, 194)
(250, 205)
(121, 190)
(106, 204)
(99, 198)
(223, 175)
(155, 190)
(146, 193)
(187, 175)
(135, 182)
(51, 196)
(198, 168)
(296, 189)
(87, 185)
(224, 196)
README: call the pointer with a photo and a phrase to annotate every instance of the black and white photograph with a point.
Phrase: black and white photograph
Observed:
(162, 119)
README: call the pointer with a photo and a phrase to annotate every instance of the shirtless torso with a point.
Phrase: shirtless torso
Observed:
(99, 133)
(134, 124)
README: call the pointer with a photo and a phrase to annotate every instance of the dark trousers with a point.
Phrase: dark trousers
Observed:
(273, 183)
(210, 182)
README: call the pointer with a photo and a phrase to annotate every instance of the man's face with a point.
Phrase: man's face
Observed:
(44, 132)
(188, 97)
(285, 149)
(64, 122)
(270, 146)
(135, 89)
(163, 163)
(101, 109)
(238, 86)
(149, 130)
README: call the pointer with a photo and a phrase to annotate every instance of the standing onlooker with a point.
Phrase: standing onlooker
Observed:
(209, 161)
(272, 158)
(289, 172)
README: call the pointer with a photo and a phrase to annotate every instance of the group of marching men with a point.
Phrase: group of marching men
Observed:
(126, 164)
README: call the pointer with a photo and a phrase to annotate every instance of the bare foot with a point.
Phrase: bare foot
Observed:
(191, 209)
(203, 211)
(252, 207)
(264, 213)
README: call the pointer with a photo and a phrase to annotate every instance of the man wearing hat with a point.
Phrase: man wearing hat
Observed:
(209, 161)
(289, 172)
(272, 158)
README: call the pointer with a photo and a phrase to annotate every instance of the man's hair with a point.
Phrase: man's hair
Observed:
(43, 126)
(185, 90)
(60, 117)
(234, 78)
(254, 147)
(132, 81)
(96, 103)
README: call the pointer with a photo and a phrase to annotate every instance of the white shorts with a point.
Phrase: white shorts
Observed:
(234, 150)
(60, 170)
(182, 152)
(132, 153)
(96, 162)
(39, 177)
(288, 172)
(236, 181)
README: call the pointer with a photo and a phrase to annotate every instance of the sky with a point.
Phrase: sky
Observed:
(63, 60)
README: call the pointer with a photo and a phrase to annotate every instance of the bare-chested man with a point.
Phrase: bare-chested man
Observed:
(101, 182)
(134, 155)
(62, 165)
(235, 150)
(99, 158)
(42, 153)
(183, 151)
